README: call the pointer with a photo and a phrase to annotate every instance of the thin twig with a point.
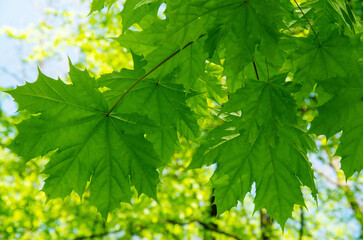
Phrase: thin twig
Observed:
(254, 65)
(149, 72)
(316, 35)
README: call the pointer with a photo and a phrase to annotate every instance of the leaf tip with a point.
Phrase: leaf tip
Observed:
(70, 62)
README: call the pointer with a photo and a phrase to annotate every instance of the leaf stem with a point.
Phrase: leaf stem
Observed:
(149, 72)
(254, 65)
(316, 35)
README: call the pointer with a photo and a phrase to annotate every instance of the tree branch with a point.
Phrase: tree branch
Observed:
(206, 226)
(338, 184)
(149, 72)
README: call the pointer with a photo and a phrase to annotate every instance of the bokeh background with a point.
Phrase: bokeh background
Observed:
(43, 34)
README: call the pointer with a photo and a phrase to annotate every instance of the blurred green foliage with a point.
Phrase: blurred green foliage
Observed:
(184, 210)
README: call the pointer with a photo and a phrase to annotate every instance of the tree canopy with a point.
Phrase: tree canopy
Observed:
(250, 85)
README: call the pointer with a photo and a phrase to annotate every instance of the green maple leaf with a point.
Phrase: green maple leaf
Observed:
(336, 56)
(211, 83)
(188, 20)
(109, 151)
(191, 64)
(261, 143)
(328, 15)
(240, 26)
(161, 101)
(146, 41)
(262, 140)
(344, 112)
(149, 43)
(134, 11)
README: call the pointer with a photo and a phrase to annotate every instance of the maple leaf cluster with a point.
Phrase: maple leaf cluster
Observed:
(250, 58)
